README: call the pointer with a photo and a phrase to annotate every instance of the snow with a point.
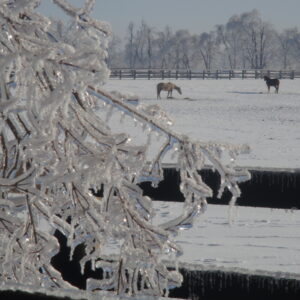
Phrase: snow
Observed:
(260, 241)
(232, 111)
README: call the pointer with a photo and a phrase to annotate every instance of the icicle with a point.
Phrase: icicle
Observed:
(122, 117)
(109, 113)
(135, 122)
(232, 211)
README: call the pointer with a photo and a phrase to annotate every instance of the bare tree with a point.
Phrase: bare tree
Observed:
(139, 47)
(180, 49)
(229, 36)
(140, 44)
(129, 48)
(285, 40)
(164, 41)
(149, 37)
(115, 57)
(207, 47)
(295, 49)
(255, 39)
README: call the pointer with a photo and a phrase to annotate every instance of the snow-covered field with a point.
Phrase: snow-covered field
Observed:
(258, 241)
(232, 111)
(261, 240)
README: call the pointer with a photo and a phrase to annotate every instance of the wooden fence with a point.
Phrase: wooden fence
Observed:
(187, 74)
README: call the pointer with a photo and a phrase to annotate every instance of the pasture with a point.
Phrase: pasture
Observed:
(231, 111)
(238, 112)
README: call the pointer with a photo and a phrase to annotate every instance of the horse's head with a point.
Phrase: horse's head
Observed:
(178, 89)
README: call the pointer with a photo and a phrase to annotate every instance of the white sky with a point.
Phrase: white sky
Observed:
(195, 15)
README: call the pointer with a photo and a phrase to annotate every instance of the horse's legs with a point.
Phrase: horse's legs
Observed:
(158, 94)
(268, 89)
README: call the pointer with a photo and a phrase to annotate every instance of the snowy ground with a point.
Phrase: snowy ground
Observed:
(259, 241)
(232, 111)
(236, 111)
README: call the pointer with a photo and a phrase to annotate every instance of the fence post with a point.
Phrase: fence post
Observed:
(292, 76)
(149, 74)
(256, 74)
(217, 74)
(176, 74)
(134, 74)
(203, 75)
(280, 74)
(243, 74)
(162, 74)
(120, 74)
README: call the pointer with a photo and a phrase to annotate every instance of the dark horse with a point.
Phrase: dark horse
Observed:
(272, 82)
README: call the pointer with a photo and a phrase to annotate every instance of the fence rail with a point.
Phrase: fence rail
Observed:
(187, 74)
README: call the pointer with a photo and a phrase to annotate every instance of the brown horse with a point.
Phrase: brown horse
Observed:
(169, 87)
(272, 82)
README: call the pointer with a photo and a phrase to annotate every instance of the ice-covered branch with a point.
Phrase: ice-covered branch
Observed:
(81, 15)
(192, 154)
(64, 169)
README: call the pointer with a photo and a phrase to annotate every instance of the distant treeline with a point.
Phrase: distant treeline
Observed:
(246, 41)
